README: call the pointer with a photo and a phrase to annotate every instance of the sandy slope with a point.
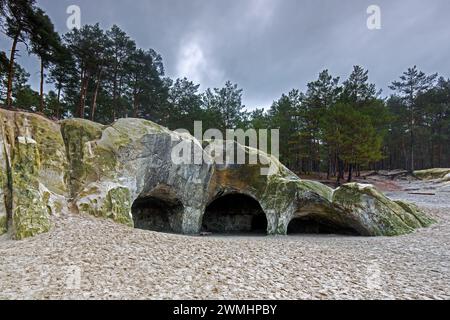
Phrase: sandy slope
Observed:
(88, 258)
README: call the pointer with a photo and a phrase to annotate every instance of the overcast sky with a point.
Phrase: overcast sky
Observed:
(268, 47)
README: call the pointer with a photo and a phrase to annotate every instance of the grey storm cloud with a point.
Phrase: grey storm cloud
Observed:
(268, 47)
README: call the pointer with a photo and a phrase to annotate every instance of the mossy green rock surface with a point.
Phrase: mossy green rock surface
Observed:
(376, 214)
(33, 173)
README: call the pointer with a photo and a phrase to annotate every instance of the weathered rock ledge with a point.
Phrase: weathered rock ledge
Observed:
(115, 171)
(442, 174)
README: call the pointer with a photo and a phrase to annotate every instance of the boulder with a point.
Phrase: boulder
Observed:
(33, 173)
(432, 174)
(119, 171)
(372, 213)
(130, 160)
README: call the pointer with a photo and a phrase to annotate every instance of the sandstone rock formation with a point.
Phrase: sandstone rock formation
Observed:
(125, 172)
(33, 166)
(433, 174)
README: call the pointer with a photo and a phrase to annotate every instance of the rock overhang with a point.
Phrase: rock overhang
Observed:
(103, 170)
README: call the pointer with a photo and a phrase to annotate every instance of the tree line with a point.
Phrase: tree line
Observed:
(334, 127)
(345, 127)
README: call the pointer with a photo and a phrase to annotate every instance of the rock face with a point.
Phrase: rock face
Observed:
(125, 172)
(131, 160)
(33, 169)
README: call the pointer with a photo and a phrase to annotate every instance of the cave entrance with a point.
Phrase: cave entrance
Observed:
(157, 214)
(235, 214)
(316, 225)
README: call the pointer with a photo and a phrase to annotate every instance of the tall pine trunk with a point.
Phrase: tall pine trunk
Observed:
(412, 132)
(135, 105)
(58, 103)
(412, 150)
(350, 173)
(329, 166)
(439, 160)
(11, 70)
(84, 85)
(94, 99)
(115, 109)
(340, 174)
(41, 89)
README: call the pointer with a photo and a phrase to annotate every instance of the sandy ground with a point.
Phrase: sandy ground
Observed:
(84, 257)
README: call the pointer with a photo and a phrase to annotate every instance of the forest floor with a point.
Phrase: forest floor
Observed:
(89, 258)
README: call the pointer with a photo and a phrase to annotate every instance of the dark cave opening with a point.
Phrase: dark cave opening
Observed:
(314, 225)
(156, 214)
(235, 213)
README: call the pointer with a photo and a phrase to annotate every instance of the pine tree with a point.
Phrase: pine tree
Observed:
(436, 122)
(17, 21)
(122, 47)
(86, 45)
(320, 96)
(45, 43)
(185, 104)
(62, 75)
(284, 116)
(146, 86)
(412, 83)
(224, 106)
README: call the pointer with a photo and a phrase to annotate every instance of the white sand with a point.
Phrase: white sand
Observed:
(84, 257)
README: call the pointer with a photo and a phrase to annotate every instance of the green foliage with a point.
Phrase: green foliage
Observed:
(186, 105)
(20, 78)
(45, 43)
(27, 99)
(357, 89)
(352, 135)
(18, 23)
(284, 115)
(223, 107)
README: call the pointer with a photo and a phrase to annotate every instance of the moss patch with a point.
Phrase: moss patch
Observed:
(414, 210)
(76, 134)
(30, 215)
(114, 204)
(118, 205)
(3, 224)
(318, 188)
(53, 160)
(386, 217)
(34, 156)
